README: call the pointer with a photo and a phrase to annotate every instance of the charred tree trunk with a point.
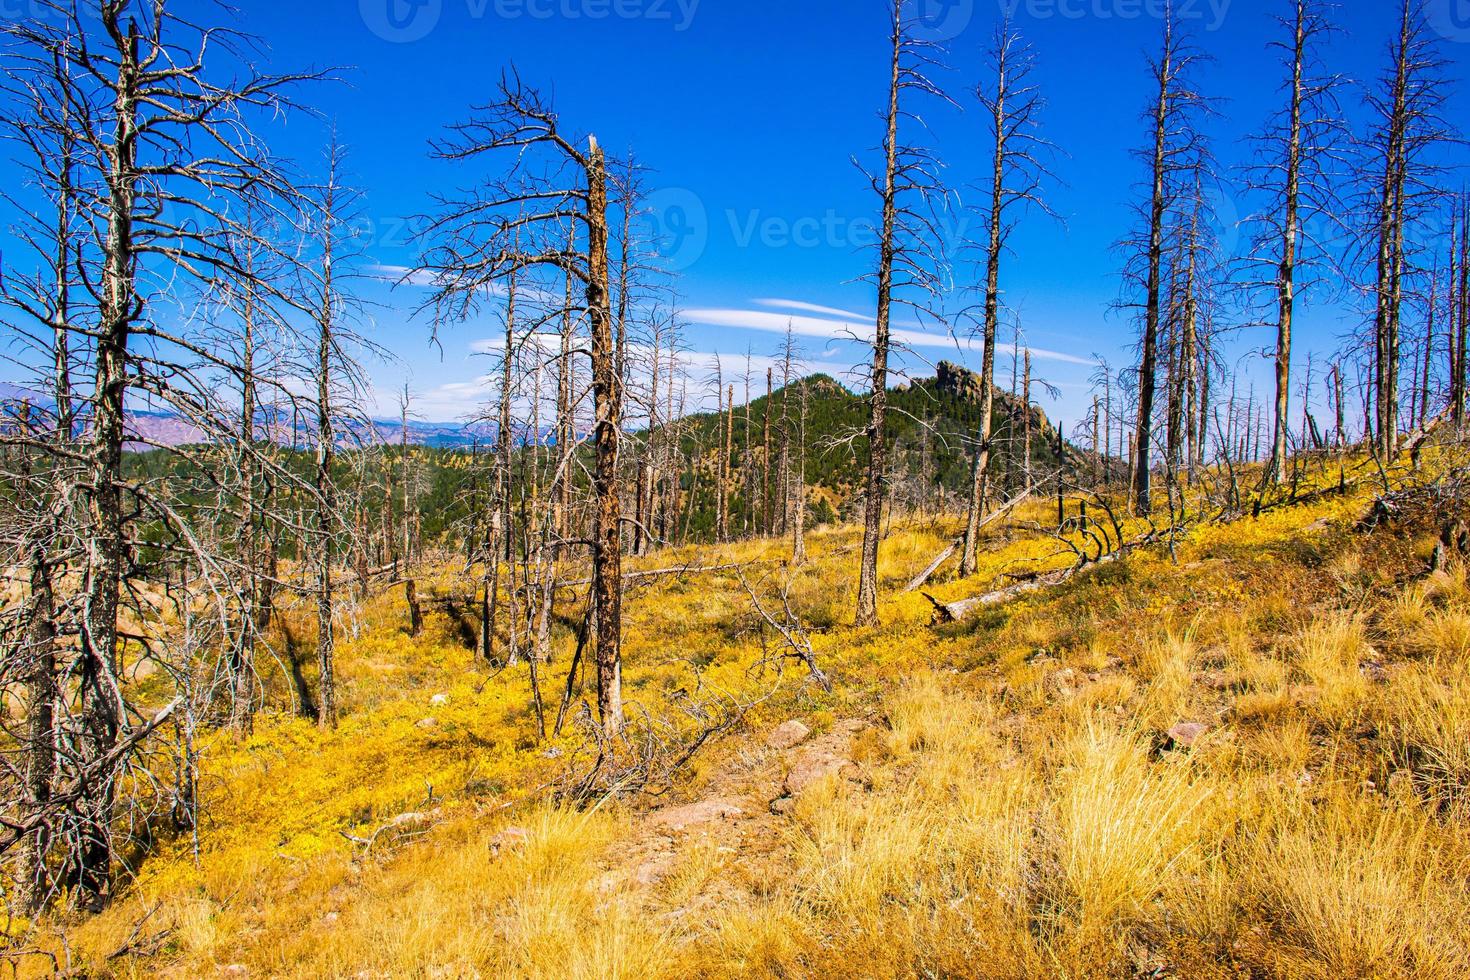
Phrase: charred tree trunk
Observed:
(1148, 363)
(103, 571)
(875, 484)
(1286, 272)
(607, 557)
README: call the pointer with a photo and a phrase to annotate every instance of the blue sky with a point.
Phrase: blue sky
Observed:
(749, 112)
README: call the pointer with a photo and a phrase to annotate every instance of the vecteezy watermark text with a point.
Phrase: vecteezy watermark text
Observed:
(1210, 13)
(406, 21)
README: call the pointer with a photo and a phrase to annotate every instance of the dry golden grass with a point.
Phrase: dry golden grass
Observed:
(1013, 809)
(1360, 889)
(1331, 652)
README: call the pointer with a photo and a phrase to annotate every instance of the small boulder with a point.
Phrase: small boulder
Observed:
(697, 814)
(439, 700)
(1063, 681)
(427, 724)
(788, 736)
(813, 770)
(1186, 733)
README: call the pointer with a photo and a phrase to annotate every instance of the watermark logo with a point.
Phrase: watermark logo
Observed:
(941, 20)
(401, 21)
(406, 21)
(677, 227)
(46, 10)
(1450, 19)
(1211, 14)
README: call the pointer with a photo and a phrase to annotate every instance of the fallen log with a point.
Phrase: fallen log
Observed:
(947, 553)
(934, 566)
(963, 609)
(1417, 437)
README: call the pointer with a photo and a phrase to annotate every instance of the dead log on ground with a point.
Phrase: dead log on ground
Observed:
(963, 609)
(948, 553)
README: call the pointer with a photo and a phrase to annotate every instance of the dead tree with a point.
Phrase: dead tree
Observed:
(1459, 311)
(1172, 143)
(767, 525)
(331, 233)
(1408, 105)
(904, 190)
(722, 458)
(1013, 106)
(517, 221)
(161, 158)
(1298, 157)
(798, 478)
(39, 478)
(727, 453)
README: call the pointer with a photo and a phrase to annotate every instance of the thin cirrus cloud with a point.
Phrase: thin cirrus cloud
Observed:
(402, 275)
(793, 304)
(851, 326)
(396, 274)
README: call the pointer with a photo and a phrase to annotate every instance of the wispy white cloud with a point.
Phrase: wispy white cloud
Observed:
(452, 401)
(401, 274)
(548, 343)
(419, 278)
(794, 304)
(854, 328)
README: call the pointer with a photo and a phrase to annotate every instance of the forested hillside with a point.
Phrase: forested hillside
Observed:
(931, 441)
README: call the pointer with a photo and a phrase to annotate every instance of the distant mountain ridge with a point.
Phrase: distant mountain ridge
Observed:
(149, 429)
(948, 402)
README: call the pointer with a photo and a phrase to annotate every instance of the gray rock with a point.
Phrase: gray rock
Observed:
(788, 736)
(1186, 733)
(697, 814)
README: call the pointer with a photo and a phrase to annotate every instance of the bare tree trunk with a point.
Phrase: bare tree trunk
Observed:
(747, 463)
(1460, 319)
(722, 520)
(242, 667)
(410, 587)
(38, 655)
(566, 425)
(1026, 476)
(671, 463)
(506, 481)
(1016, 176)
(1148, 365)
(1429, 329)
(607, 558)
(767, 521)
(1286, 273)
(798, 497)
(326, 490)
(40, 631)
(877, 434)
(1391, 244)
(727, 453)
(104, 549)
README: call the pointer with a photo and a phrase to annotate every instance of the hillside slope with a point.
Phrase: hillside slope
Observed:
(933, 427)
(1248, 759)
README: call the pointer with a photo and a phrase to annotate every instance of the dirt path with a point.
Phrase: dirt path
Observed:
(692, 856)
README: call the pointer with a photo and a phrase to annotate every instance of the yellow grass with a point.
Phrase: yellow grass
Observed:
(1011, 809)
